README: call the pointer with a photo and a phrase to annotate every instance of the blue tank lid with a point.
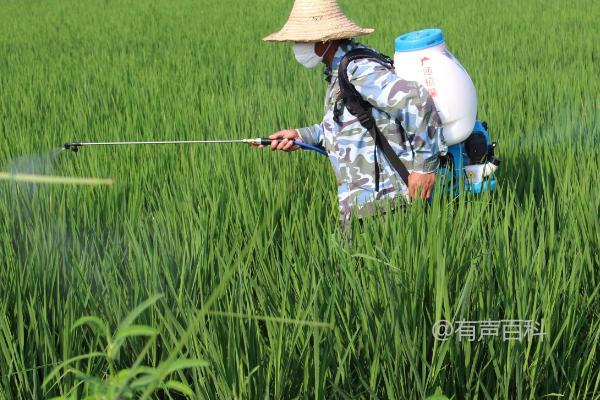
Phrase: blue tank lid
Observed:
(419, 40)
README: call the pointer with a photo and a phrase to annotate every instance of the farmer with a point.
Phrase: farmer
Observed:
(404, 112)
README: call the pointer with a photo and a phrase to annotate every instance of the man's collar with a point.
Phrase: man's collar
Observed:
(341, 51)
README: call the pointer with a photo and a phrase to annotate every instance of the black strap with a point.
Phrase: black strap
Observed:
(362, 109)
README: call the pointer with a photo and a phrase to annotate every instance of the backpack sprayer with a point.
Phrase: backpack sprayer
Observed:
(422, 56)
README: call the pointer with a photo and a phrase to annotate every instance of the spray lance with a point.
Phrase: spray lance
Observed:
(74, 147)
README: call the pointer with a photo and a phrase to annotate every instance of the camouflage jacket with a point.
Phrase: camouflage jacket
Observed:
(351, 148)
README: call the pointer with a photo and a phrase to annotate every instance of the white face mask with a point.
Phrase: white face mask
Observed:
(306, 55)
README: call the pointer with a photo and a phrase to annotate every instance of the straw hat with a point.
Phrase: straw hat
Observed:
(317, 21)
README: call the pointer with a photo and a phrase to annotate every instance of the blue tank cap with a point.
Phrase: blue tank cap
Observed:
(419, 40)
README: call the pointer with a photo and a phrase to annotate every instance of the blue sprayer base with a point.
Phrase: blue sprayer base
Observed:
(451, 175)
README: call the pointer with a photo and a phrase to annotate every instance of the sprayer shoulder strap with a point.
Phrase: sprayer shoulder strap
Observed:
(362, 109)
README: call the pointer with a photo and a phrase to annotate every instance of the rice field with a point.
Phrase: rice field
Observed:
(217, 271)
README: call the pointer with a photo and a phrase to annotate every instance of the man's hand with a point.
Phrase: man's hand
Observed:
(284, 140)
(420, 184)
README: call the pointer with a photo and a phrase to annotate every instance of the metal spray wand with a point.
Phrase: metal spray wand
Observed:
(256, 142)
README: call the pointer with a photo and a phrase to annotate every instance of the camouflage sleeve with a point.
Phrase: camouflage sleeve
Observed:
(427, 149)
(406, 100)
(312, 134)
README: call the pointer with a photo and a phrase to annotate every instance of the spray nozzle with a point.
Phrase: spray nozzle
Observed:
(74, 147)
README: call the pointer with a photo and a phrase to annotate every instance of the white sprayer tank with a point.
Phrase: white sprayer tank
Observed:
(422, 57)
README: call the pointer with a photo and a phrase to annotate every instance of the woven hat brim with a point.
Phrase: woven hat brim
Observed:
(318, 30)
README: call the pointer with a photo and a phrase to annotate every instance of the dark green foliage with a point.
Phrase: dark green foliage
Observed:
(181, 219)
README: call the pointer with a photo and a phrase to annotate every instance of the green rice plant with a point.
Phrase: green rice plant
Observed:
(244, 244)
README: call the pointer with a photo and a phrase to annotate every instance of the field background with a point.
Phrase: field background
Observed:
(259, 229)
